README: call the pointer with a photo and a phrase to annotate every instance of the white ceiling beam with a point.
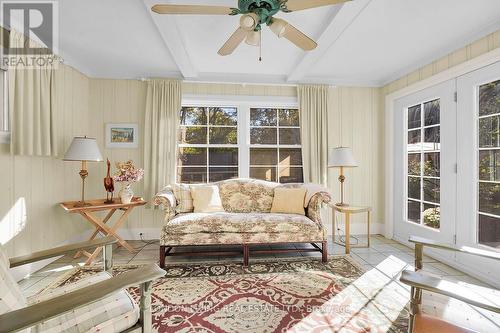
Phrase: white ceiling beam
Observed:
(338, 22)
(171, 35)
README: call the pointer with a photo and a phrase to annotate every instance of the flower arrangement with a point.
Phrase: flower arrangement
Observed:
(127, 172)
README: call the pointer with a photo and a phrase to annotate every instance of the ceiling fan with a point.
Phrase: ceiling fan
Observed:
(254, 14)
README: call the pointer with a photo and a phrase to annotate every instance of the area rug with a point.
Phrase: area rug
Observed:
(291, 295)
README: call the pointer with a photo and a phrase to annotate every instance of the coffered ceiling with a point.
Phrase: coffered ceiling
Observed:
(363, 42)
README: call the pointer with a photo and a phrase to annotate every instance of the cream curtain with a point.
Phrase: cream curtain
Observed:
(32, 102)
(163, 105)
(313, 104)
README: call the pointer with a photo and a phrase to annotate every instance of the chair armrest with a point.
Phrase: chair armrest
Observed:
(462, 249)
(40, 255)
(485, 300)
(31, 315)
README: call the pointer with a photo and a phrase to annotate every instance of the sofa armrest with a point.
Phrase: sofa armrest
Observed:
(166, 198)
(314, 207)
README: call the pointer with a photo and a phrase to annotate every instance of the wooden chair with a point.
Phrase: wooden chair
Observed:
(98, 303)
(418, 281)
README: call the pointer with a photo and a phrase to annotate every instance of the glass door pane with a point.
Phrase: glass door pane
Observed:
(423, 151)
(488, 167)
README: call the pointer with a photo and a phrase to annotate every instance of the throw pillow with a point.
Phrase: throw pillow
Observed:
(182, 193)
(206, 199)
(289, 200)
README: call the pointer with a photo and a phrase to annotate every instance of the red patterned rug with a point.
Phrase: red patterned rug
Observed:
(290, 295)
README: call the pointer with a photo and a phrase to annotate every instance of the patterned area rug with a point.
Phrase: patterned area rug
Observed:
(290, 295)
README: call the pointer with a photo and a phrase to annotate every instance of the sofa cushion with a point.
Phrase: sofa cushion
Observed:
(184, 199)
(231, 238)
(247, 195)
(206, 199)
(289, 200)
(239, 223)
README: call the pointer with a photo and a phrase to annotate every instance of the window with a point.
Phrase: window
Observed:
(223, 142)
(208, 144)
(489, 164)
(275, 151)
(423, 156)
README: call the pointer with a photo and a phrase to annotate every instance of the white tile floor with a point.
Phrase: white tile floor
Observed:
(385, 260)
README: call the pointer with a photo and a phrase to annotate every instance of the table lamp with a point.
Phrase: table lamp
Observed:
(341, 157)
(84, 150)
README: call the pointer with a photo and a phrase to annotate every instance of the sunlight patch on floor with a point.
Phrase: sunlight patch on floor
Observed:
(373, 301)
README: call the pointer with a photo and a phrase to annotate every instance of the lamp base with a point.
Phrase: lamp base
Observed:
(342, 204)
(82, 204)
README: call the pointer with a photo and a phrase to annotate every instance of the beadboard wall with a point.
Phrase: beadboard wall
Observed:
(32, 187)
(356, 120)
(466, 53)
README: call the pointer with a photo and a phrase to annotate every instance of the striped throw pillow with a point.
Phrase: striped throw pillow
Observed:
(183, 197)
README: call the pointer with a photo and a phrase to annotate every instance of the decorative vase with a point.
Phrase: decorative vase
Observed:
(126, 193)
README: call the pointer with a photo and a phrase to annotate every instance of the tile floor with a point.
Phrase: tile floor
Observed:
(383, 261)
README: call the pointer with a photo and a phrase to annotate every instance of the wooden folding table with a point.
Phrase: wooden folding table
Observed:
(100, 224)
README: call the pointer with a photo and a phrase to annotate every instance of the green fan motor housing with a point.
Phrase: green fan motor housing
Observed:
(265, 9)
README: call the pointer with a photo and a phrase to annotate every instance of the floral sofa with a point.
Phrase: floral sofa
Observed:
(246, 219)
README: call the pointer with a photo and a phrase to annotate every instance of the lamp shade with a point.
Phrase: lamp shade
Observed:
(341, 157)
(83, 149)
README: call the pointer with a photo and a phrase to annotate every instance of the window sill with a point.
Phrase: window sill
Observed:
(4, 137)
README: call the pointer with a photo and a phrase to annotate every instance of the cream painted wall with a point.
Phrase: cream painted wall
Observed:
(356, 121)
(30, 218)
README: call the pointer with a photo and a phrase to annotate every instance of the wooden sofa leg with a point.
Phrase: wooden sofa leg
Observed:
(246, 254)
(162, 256)
(324, 251)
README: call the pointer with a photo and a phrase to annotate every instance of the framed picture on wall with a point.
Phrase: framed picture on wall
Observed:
(122, 135)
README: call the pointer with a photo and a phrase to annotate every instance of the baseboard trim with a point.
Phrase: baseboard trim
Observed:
(360, 229)
(134, 233)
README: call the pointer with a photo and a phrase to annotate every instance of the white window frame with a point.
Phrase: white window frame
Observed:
(243, 104)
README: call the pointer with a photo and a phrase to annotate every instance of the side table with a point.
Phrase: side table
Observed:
(87, 212)
(348, 211)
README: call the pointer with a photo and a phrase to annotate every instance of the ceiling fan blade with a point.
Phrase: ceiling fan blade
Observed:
(232, 43)
(282, 28)
(191, 9)
(295, 36)
(295, 5)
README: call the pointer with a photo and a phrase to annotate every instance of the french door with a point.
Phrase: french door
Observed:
(447, 167)
(425, 167)
(478, 198)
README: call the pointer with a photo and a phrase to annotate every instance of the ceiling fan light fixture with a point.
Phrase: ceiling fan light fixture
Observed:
(253, 38)
(249, 21)
(278, 27)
